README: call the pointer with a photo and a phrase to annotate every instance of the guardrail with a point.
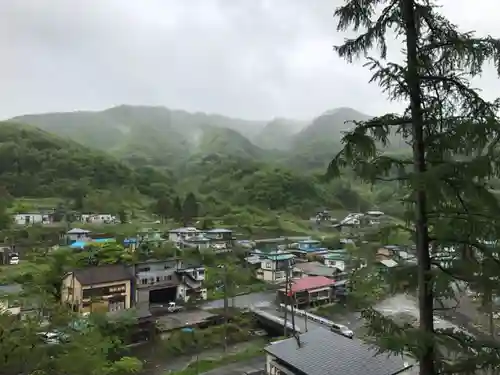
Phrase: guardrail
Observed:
(316, 318)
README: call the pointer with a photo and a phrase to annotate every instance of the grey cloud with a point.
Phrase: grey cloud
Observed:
(251, 59)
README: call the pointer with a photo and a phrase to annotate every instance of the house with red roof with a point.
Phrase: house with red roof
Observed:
(308, 291)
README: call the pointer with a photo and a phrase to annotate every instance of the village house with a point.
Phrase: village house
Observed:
(221, 238)
(77, 234)
(191, 278)
(183, 234)
(322, 352)
(155, 282)
(199, 242)
(274, 266)
(98, 218)
(104, 288)
(9, 302)
(309, 291)
(30, 218)
(336, 259)
(317, 269)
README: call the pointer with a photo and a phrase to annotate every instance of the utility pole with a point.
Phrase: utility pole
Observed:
(305, 319)
(225, 308)
(286, 303)
(295, 333)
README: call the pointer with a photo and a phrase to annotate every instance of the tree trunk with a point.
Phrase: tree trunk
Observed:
(425, 293)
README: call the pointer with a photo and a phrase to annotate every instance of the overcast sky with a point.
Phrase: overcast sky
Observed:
(253, 59)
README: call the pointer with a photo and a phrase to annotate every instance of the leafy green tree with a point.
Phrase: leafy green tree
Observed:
(111, 253)
(453, 133)
(163, 208)
(177, 209)
(5, 218)
(24, 350)
(123, 216)
(190, 208)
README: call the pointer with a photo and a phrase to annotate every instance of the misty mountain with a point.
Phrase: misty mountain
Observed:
(278, 134)
(316, 145)
(216, 140)
(139, 134)
(158, 136)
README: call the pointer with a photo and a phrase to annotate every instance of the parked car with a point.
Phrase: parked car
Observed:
(342, 330)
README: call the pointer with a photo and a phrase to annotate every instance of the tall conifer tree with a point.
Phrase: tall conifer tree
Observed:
(453, 134)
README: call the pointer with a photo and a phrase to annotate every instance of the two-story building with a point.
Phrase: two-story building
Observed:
(155, 282)
(309, 291)
(336, 259)
(98, 218)
(182, 234)
(274, 266)
(200, 242)
(220, 238)
(30, 218)
(98, 289)
(191, 286)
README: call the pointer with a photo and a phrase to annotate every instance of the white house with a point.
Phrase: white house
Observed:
(182, 234)
(191, 282)
(30, 218)
(77, 234)
(98, 218)
(274, 266)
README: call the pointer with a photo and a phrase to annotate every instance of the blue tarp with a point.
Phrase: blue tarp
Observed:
(78, 245)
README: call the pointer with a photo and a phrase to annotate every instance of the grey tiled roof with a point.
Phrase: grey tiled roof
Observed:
(10, 289)
(323, 352)
(102, 274)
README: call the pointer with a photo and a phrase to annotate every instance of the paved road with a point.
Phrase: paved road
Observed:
(399, 304)
(262, 299)
(300, 321)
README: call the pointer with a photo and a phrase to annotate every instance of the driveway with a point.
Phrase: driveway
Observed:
(260, 299)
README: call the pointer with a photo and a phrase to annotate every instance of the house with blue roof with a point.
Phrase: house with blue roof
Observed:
(274, 265)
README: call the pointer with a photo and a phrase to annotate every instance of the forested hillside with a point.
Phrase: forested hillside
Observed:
(161, 137)
(155, 152)
(35, 163)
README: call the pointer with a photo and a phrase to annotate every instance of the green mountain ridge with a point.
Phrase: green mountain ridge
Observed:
(36, 163)
(160, 137)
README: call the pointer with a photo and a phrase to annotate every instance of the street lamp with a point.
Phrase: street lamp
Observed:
(191, 331)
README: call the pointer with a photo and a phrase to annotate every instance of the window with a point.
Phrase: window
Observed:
(157, 279)
(267, 265)
(168, 277)
(144, 269)
(144, 281)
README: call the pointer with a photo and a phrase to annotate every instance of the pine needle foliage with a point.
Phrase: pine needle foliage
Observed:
(453, 133)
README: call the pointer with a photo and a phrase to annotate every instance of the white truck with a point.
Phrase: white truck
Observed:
(173, 307)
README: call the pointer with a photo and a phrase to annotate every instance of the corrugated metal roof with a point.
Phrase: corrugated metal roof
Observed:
(325, 353)
(77, 231)
(311, 282)
(219, 230)
(389, 263)
(279, 256)
(102, 274)
(315, 269)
